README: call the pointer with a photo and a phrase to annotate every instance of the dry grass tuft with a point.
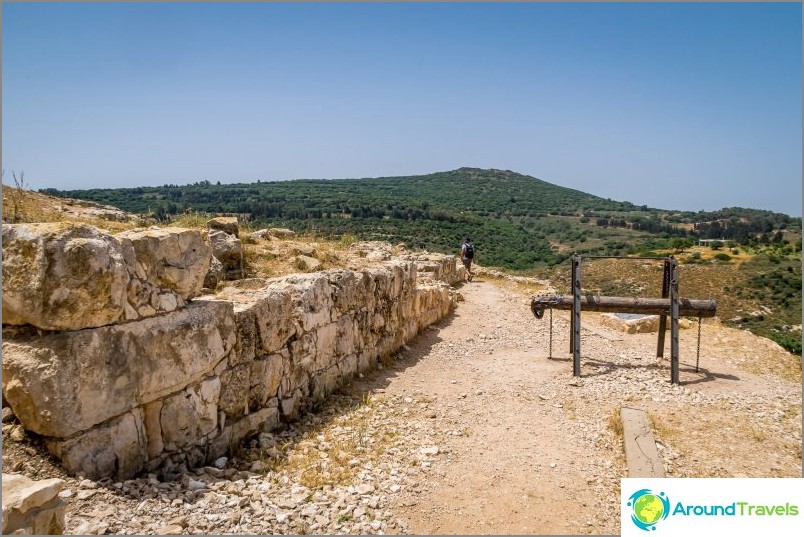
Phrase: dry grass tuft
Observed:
(326, 455)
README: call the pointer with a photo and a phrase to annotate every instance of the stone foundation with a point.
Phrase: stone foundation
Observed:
(177, 390)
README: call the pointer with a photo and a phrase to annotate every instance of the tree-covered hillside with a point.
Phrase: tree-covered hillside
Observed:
(515, 220)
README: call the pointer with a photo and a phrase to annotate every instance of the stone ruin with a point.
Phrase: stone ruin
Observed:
(111, 356)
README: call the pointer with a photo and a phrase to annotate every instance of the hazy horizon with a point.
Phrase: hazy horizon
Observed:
(687, 106)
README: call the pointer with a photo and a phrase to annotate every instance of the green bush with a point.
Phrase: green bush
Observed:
(791, 342)
(723, 257)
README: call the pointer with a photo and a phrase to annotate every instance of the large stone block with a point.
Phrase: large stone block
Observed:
(32, 507)
(61, 276)
(264, 319)
(64, 383)
(227, 249)
(171, 258)
(266, 374)
(235, 390)
(312, 299)
(226, 224)
(187, 417)
(117, 448)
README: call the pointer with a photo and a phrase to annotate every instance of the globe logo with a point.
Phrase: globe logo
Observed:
(648, 508)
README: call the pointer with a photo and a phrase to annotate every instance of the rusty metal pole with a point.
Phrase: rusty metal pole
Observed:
(663, 318)
(576, 316)
(572, 315)
(674, 378)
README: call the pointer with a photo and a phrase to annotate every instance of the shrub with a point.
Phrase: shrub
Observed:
(723, 257)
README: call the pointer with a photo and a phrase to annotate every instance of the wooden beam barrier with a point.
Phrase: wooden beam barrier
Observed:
(615, 304)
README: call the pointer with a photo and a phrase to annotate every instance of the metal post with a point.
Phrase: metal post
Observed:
(674, 321)
(663, 318)
(576, 316)
(573, 278)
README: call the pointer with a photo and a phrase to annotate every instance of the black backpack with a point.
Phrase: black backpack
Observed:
(469, 251)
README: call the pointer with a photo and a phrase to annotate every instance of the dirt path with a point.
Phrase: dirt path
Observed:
(514, 460)
(526, 448)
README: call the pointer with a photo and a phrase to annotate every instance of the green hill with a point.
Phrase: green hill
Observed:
(515, 220)
(521, 223)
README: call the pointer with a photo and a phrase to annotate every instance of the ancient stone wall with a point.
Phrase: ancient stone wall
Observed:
(171, 390)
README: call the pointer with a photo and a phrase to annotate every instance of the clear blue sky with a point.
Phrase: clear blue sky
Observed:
(677, 106)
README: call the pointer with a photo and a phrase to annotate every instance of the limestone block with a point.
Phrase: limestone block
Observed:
(235, 389)
(312, 299)
(216, 274)
(325, 382)
(190, 415)
(171, 258)
(325, 344)
(117, 448)
(265, 377)
(281, 233)
(263, 420)
(347, 336)
(305, 263)
(227, 224)
(152, 413)
(64, 383)
(264, 319)
(60, 277)
(348, 366)
(261, 235)
(32, 507)
(227, 249)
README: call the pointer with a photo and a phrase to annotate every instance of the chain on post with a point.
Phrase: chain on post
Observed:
(698, 352)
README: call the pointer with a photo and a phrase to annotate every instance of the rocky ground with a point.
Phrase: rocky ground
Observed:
(474, 428)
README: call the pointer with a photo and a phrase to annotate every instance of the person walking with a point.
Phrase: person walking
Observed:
(467, 255)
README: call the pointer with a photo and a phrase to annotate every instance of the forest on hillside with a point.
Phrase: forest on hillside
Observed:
(515, 220)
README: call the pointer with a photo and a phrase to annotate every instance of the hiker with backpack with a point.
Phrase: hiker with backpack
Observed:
(467, 255)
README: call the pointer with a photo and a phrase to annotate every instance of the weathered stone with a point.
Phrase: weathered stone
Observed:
(216, 274)
(306, 263)
(190, 415)
(265, 376)
(64, 383)
(117, 399)
(32, 507)
(227, 224)
(61, 277)
(281, 233)
(234, 396)
(264, 319)
(171, 258)
(117, 448)
(227, 249)
(261, 235)
(312, 299)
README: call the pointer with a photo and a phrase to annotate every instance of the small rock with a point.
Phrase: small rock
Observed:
(85, 494)
(66, 493)
(17, 433)
(221, 463)
(8, 414)
(172, 529)
(194, 484)
(430, 450)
